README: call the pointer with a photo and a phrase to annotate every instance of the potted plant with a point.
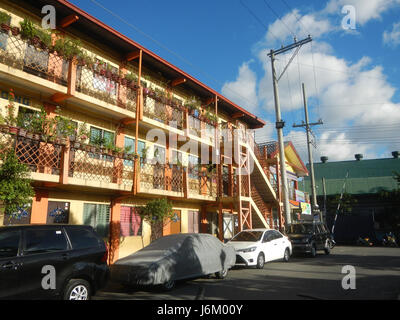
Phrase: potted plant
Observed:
(27, 29)
(5, 21)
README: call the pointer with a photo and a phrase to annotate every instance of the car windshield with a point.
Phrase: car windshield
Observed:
(252, 236)
(301, 228)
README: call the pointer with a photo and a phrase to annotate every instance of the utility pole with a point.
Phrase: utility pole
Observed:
(307, 125)
(279, 123)
(324, 190)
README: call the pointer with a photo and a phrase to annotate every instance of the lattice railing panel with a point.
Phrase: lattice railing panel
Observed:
(21, 54)
(157, 110)
(202, 183)
(41, 157)
(101, 168)
(161, 177)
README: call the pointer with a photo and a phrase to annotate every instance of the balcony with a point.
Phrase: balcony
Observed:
(43, 159)
(162, 110)
(107, 86)
(33, 57)
(90, 166)
(202, 183)
(161, 179)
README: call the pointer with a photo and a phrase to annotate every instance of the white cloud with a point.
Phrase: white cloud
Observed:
(355, 99)
(392, 38)
(294, 22)
(243, 91)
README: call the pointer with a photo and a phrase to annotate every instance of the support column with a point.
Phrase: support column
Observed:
(115, 230)
(118, 163)
(40, 205)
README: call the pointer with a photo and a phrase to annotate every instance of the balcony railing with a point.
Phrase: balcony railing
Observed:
(39, 156)
(202, 182)
(92, 165)
(163, 111)
(157, 176)
(106, 87)
(33, 58)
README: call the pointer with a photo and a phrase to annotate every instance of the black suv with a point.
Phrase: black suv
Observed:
(46, 261)
(310, 237)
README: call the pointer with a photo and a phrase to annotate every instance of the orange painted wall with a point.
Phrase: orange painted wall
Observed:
(39, 207)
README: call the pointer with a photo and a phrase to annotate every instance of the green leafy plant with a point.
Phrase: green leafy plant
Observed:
(68, 47)
(28, 29)
(4, 17)
(157, 213)
(15, 186)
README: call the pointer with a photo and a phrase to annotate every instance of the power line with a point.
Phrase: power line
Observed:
(273, 11)
(172, 52)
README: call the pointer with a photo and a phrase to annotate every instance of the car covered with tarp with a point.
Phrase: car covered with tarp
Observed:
(174, 257)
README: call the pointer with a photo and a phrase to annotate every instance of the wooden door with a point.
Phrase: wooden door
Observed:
(174, 225)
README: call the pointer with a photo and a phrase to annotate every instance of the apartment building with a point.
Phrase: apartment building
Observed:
(141, 129)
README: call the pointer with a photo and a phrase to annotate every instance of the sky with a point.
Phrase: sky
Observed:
(351, 69)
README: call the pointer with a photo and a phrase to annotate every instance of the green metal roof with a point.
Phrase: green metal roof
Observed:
(365, 176)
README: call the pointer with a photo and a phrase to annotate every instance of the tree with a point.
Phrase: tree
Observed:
(15, 186)
(346, 204)
(157, 213)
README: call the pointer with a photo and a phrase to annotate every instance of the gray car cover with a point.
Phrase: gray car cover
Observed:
(174, 257)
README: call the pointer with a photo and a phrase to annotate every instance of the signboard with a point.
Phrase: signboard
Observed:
(300, 196)
(305, 208)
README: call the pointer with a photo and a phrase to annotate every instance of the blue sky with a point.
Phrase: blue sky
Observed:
(352, 76)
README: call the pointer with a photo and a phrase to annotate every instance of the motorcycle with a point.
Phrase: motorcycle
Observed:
(364, 242)
(389, 241)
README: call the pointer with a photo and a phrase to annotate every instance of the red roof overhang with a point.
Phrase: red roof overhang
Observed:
(89, 24)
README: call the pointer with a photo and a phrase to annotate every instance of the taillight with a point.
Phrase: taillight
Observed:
(105, 257)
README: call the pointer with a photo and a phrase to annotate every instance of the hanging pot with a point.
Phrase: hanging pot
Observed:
(13, 130)
(5, 27)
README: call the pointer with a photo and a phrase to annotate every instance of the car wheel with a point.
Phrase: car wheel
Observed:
(328, 247)
(260, 261)
(169, 285)
(77, 289)
(286, 255)
(222, 274)
(313, 250)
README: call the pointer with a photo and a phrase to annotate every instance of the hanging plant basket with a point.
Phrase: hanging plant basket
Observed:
(13, 130)
(15, 31)
(29, 135)
(5, 27)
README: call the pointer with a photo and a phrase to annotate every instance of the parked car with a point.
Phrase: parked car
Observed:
(174, 257)
(257, 246)
(309, 237)
(47, 261)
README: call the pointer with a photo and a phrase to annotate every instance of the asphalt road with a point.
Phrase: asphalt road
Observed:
(377, 277)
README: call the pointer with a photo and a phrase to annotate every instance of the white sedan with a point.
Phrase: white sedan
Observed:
(257, 246)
